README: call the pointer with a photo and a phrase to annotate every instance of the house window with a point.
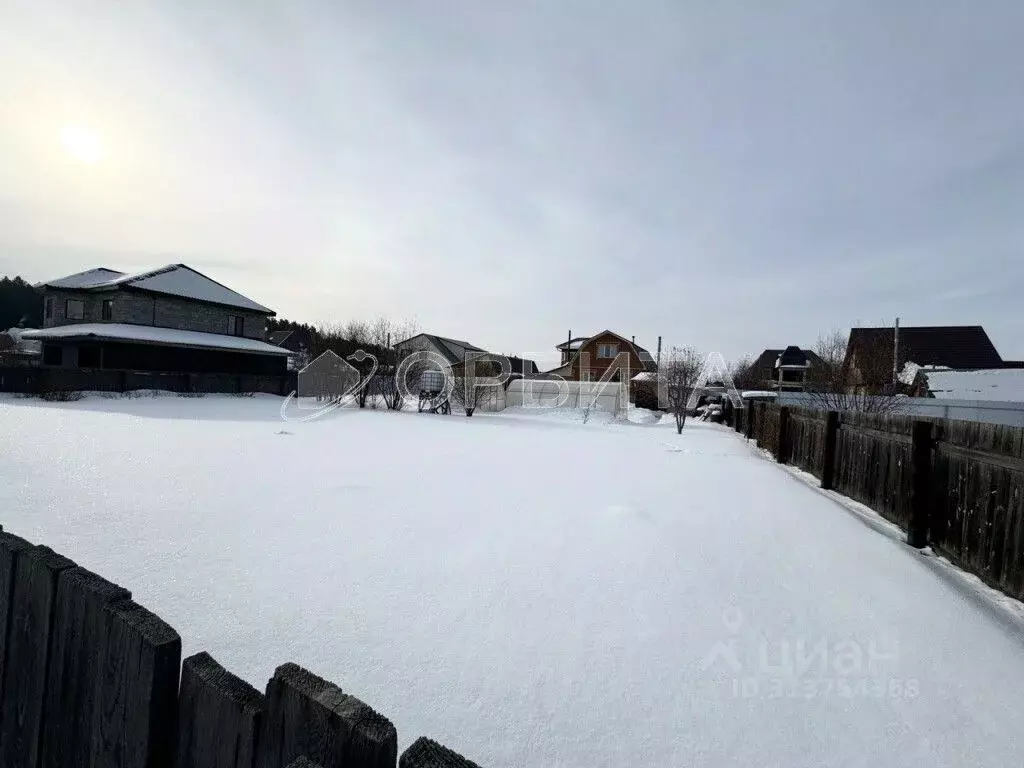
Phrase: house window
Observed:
(607, 350)
(49, 308)
(53, 355)
(108, 309)
(88, 357)
(236, 324)
(74, 309)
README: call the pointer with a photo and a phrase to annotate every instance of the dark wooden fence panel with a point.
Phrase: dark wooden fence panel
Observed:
(34, 381)
(134, 725)
(307, 715)
(219, 717)
(873, 455)
(978, 497)
(31, 618)
(425, 753)
(955, 485)
(11, 548)
(78, 640)
(806, 438)
(766, 427)
(89, 679)
(19, 379)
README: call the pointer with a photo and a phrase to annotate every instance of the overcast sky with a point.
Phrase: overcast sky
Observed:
(732, 175)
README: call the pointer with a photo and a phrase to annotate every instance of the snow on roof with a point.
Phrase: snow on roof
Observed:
(750, 395)
(22, 344)
(88, 279)
(173, 279)
(645, 376)
(149, 335)
(998, 384)
(573, 344)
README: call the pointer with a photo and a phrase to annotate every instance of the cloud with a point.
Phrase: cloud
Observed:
(730, 176)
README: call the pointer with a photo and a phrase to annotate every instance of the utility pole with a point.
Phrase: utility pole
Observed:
(895, 354)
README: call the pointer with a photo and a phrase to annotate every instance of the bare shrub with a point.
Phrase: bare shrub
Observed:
(61, 395)
(681, 371)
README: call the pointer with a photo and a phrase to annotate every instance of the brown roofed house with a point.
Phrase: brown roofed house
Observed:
(869, 353)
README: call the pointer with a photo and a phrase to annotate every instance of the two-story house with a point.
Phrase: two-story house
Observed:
(588, 358)
(172, 319)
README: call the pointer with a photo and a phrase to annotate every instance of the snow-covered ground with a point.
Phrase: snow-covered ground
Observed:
(528, 589)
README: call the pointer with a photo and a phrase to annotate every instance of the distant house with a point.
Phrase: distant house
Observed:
(451, 350)
(456, 352)
(172, 319)
(589, 358)
(17, 350)
(299, 352)
(787, 370)
(869, 353)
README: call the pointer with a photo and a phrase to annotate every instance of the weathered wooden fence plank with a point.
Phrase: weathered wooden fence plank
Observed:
(35, 589)
(219, 717)
(425, 753)
(921, 485)
(11, 548)
(78, 639)
(303, 762)
(306, 715)
(134, 722)
(978, 488)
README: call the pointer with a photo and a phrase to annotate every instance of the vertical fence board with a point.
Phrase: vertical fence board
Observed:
(425, 753)
(134, 722)
(306, 715)
(11, 548)
(74, 669)
(978, 487)
(35, 589)
(219, 717)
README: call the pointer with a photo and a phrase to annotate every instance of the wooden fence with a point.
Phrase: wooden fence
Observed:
(39, 381)
(956, 486)
(91, 679)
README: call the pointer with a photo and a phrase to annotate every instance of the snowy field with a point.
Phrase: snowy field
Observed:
(528, 589)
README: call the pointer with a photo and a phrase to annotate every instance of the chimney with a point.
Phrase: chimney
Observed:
(658, 363)
(634, 339)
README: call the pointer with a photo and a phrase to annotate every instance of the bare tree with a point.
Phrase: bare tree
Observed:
(357, 332)
(680, 371)
(475, 382)
(834, 384)
(743, 374)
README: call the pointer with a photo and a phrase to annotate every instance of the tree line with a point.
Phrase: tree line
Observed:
(20, 304)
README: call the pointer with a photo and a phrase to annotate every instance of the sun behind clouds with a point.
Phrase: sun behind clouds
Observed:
(82, 143)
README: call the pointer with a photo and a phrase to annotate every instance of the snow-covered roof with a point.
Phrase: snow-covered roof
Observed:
(998, 384)
(173, 279)
(752, 394)
(23, 345)
(574, 344)
(87, 279)
(645, 376)
(145, 334)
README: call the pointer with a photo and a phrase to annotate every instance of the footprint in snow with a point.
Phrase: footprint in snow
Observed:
(283, 432)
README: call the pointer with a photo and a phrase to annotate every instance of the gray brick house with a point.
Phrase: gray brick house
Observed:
(172, 319)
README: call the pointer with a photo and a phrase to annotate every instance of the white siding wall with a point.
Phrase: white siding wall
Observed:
(563, 394)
